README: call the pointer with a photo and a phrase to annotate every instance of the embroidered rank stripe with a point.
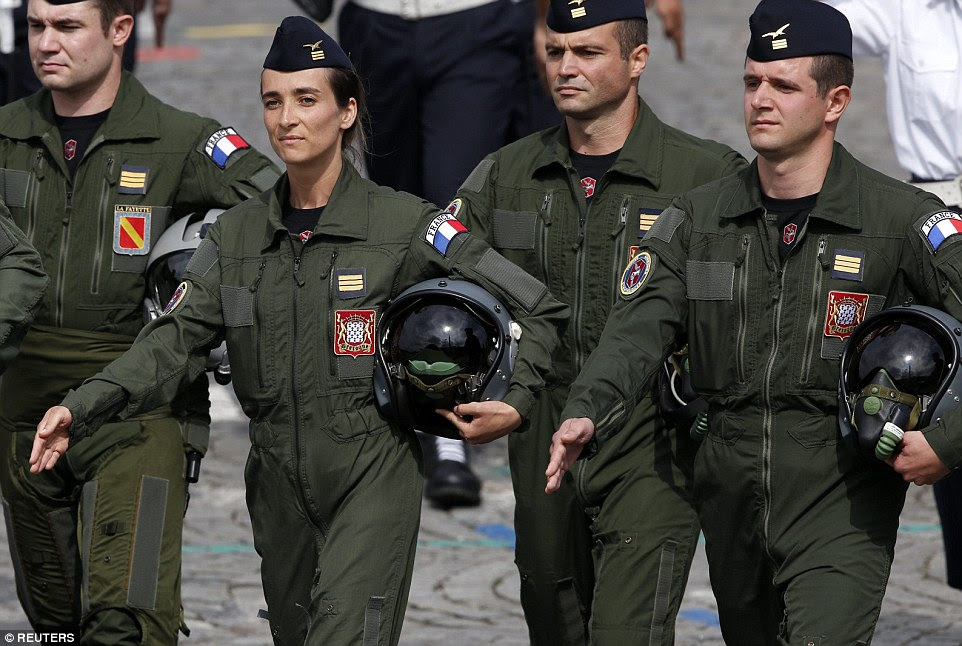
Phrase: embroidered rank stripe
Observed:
(130, 179)
(645, 220)
(350, 282)
(848, 264)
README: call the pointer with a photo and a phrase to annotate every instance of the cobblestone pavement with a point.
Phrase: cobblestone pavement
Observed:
(466, 587)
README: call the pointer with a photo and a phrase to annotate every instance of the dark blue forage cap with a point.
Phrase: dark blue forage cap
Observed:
(794, 28)
(300, 44)
(566, 16)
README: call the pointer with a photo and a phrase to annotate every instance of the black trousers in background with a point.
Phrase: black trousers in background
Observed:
(443, 92)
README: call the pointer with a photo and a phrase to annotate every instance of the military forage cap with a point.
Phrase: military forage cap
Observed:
(566, 16)
(299, 44)
(794, 28)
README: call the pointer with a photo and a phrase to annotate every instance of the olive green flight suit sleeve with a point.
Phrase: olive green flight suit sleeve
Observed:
(542, 318)
(935, 278)
(22, 285)
(204, 185)
(639, 333)
(169, 354)
(478, 197)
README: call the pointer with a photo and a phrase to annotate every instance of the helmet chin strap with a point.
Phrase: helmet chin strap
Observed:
(880, 402)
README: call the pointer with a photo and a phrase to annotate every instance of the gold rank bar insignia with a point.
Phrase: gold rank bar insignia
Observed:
(351, 283)
(646, 218)
(133, 180)
(317, 54)
(848, 265)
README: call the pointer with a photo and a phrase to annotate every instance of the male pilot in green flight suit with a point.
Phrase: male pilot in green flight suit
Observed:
(610, 553)
(767, 272)
(93, 169)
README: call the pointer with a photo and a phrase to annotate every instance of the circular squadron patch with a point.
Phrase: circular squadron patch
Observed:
(636, 274)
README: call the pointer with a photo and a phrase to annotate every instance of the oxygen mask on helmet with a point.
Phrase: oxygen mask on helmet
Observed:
(882, 414)
(899, 373)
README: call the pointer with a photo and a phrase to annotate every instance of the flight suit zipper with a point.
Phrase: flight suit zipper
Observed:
(62, 269)
(811, 332)
(101, 226)
(768, 412)
(35, 194)
(330, 324)
(258, 359)
(742, 305)
(577, 307)
(545, 222)
(618, 261)
(298, 465)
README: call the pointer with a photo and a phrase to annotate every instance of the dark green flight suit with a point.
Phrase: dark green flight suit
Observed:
(22, 285)
(614, 545)
(800, 535)
(334, 490)
(96, 542)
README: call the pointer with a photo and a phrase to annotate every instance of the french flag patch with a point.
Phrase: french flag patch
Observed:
(222, 144)
(444, 228)
(940, 227)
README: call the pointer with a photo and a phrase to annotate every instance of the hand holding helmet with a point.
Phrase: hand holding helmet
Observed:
(442, 344)
(900, 373)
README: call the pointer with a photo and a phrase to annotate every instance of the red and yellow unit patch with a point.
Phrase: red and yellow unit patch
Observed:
(845, 311)
(354, 332)
(636, 274)
(132, 230)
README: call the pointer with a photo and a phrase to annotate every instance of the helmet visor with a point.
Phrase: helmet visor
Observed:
(914, 351)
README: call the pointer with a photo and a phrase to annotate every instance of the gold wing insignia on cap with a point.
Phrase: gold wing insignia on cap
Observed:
(314, 46)
(577, 2)
(779, 32)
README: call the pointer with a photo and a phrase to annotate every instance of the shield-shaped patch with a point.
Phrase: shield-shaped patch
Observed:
(354, 332)
(131, 230)
(845, 311)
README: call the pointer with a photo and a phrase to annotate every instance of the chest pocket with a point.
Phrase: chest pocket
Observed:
(14, 186)
(723, 323)
(132, 210)
(358, 286)
(249, 319)
(850, 280)
(522, 237)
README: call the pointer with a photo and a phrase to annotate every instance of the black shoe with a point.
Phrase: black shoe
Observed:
(453, 484)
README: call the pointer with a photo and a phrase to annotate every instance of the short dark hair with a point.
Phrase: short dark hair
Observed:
(830, 71)
(110, 9)
(346, 84)
(630, 34)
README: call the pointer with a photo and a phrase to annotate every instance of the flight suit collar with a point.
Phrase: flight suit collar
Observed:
(834, 203)
(350, 195)
(131, 117)
(641, 156)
